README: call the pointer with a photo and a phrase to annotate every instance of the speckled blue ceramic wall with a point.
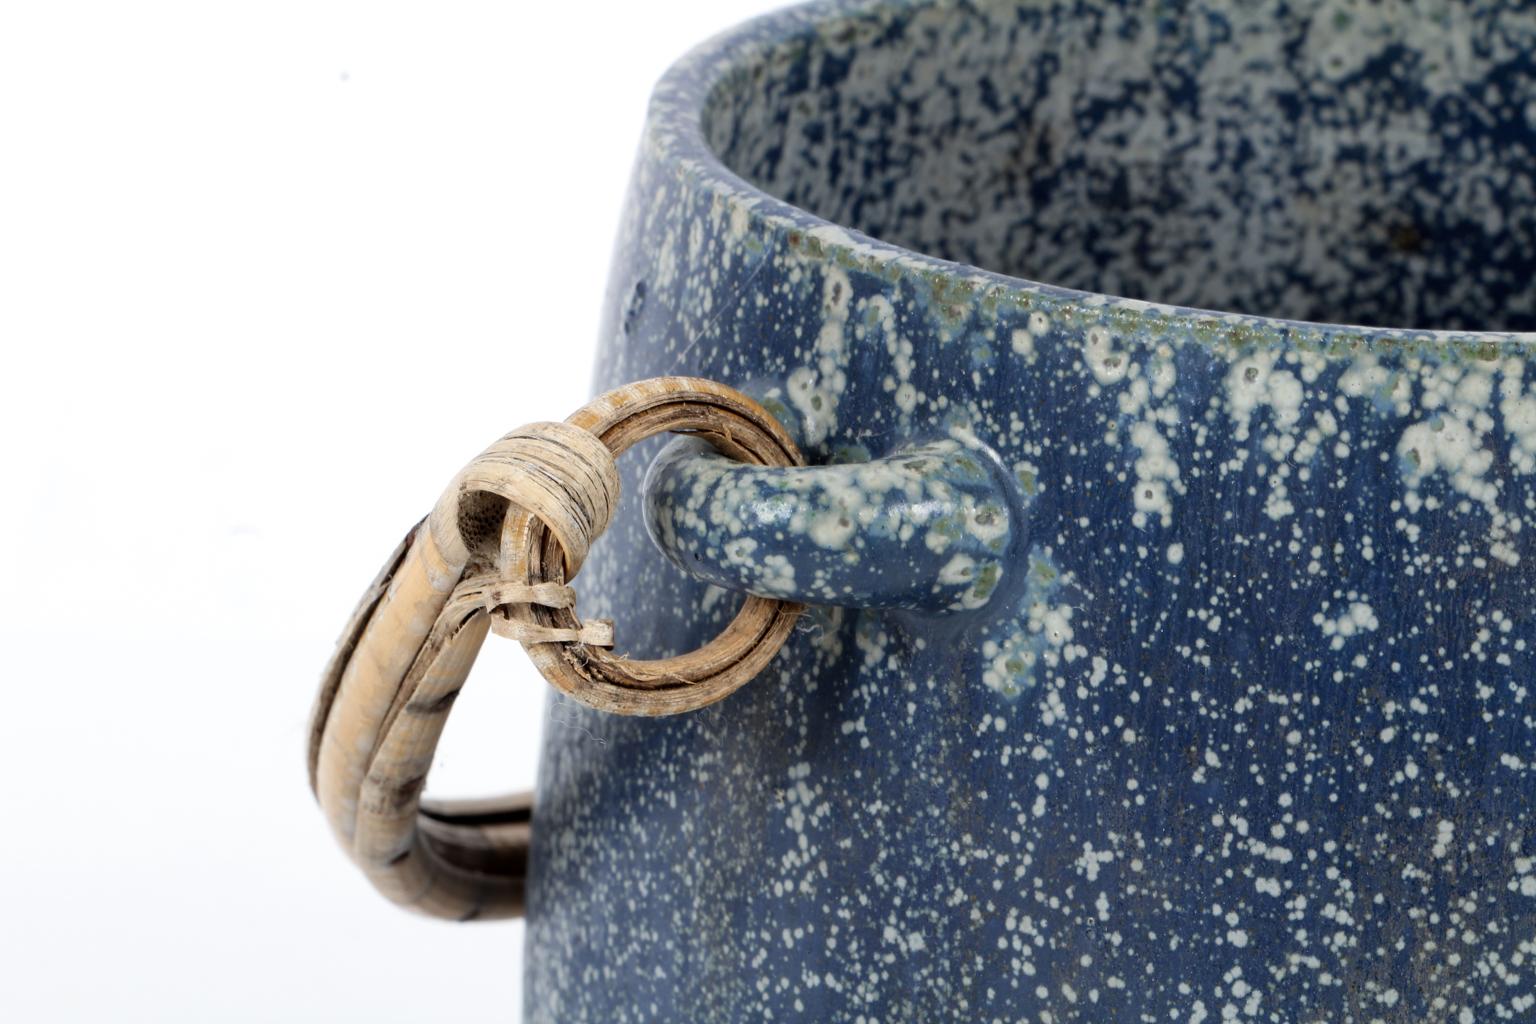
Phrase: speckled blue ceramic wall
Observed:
(1241, 725)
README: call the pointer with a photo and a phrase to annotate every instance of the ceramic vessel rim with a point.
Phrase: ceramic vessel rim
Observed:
(674, 133)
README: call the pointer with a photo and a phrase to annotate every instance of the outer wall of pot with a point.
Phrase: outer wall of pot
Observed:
(1244, 723)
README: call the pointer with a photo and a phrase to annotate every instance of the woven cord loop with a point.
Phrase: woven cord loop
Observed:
(496, 555)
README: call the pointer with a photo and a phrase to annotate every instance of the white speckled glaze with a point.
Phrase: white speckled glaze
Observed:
(1169, 664)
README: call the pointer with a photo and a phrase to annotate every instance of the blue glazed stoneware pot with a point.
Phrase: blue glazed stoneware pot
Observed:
(1172, 653)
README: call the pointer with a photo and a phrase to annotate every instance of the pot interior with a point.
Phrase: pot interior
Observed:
(1349, 163)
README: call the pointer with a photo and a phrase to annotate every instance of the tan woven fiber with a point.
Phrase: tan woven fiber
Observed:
(496, 552)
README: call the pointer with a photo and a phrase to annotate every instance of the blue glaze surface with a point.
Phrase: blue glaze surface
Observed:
(1245, 729)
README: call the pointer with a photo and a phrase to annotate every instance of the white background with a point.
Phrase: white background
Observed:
(238, 246)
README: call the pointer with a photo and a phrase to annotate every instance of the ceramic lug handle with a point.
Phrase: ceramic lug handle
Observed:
(928, 527)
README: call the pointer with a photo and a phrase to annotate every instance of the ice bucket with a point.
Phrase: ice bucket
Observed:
(1162, 374)
(1237, 721)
